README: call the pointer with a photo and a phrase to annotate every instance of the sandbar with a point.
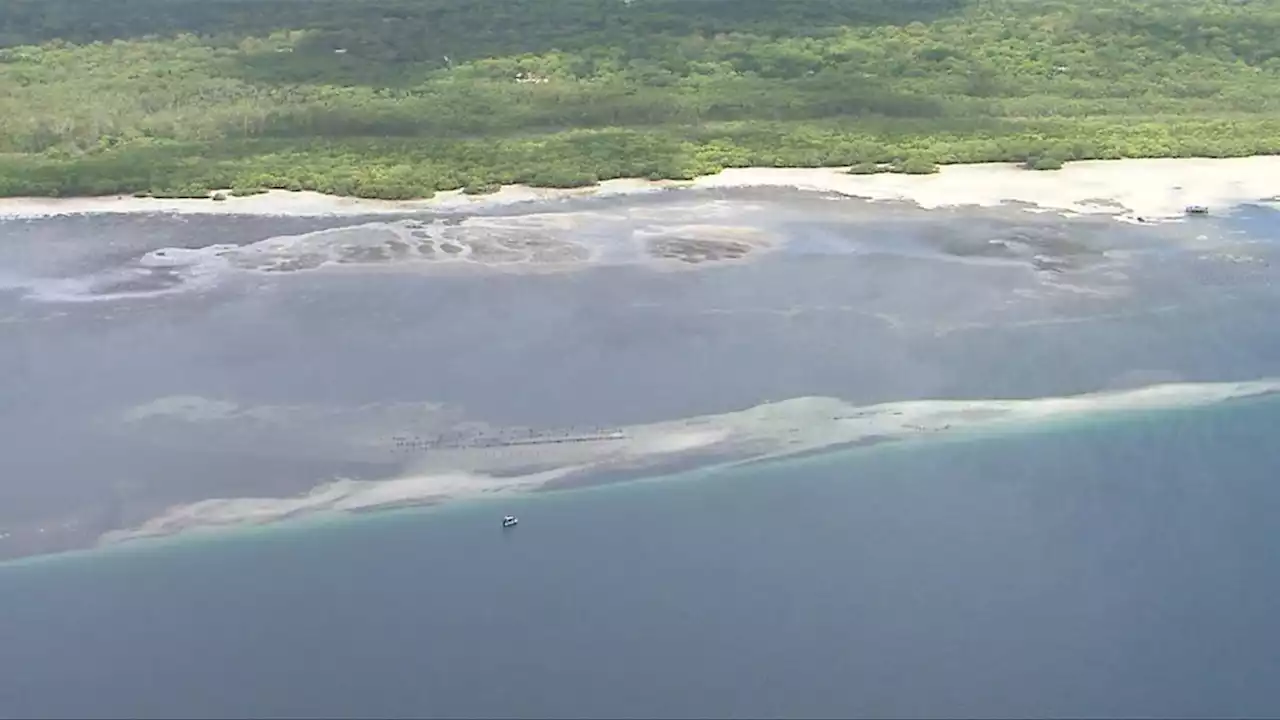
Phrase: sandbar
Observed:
(775, 430)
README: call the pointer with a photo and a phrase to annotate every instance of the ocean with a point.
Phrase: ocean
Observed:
(1120, 568)
(1112, 565)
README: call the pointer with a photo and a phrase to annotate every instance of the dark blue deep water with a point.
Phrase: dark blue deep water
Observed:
(1112, 568)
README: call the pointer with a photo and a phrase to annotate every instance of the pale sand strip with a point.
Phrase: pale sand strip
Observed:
(1128, 189)
(772, 430)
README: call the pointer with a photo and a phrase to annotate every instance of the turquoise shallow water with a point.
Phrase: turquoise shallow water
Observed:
(1118, 567)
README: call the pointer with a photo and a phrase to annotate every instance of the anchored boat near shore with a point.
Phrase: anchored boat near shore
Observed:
(509, 521)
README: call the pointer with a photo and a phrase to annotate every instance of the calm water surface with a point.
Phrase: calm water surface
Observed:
(1112, 567)
(1123, 569)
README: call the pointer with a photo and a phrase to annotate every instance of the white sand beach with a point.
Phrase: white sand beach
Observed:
(1150, 189)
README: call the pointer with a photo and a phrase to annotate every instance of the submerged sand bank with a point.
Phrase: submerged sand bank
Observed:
(772, 430)
(1146, 188)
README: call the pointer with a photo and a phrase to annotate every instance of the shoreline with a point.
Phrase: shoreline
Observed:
(1129, 189)
(791, 430)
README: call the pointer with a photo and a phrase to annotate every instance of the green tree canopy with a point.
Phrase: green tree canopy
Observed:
(401, 98)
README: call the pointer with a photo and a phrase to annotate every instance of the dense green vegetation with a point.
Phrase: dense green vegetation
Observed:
(399, 98)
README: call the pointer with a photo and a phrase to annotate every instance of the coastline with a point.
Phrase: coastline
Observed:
(1129, 189)
(797, 430)
(788, 429)
(1162, 187)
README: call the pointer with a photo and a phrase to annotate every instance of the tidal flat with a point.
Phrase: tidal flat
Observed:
(177, 370)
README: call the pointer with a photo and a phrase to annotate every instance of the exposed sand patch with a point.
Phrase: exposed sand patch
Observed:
(310, 204)
(1128, 189)
(771, 430)
(1151, 189)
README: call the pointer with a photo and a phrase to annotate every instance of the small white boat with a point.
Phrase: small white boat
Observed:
(509, 521)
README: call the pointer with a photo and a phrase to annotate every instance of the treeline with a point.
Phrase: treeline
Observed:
(401, 98)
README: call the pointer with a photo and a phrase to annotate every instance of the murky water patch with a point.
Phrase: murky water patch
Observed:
(685, 230)
(538, 242)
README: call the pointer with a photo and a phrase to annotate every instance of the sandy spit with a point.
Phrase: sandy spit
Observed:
(1150, 189)
(771, 430)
